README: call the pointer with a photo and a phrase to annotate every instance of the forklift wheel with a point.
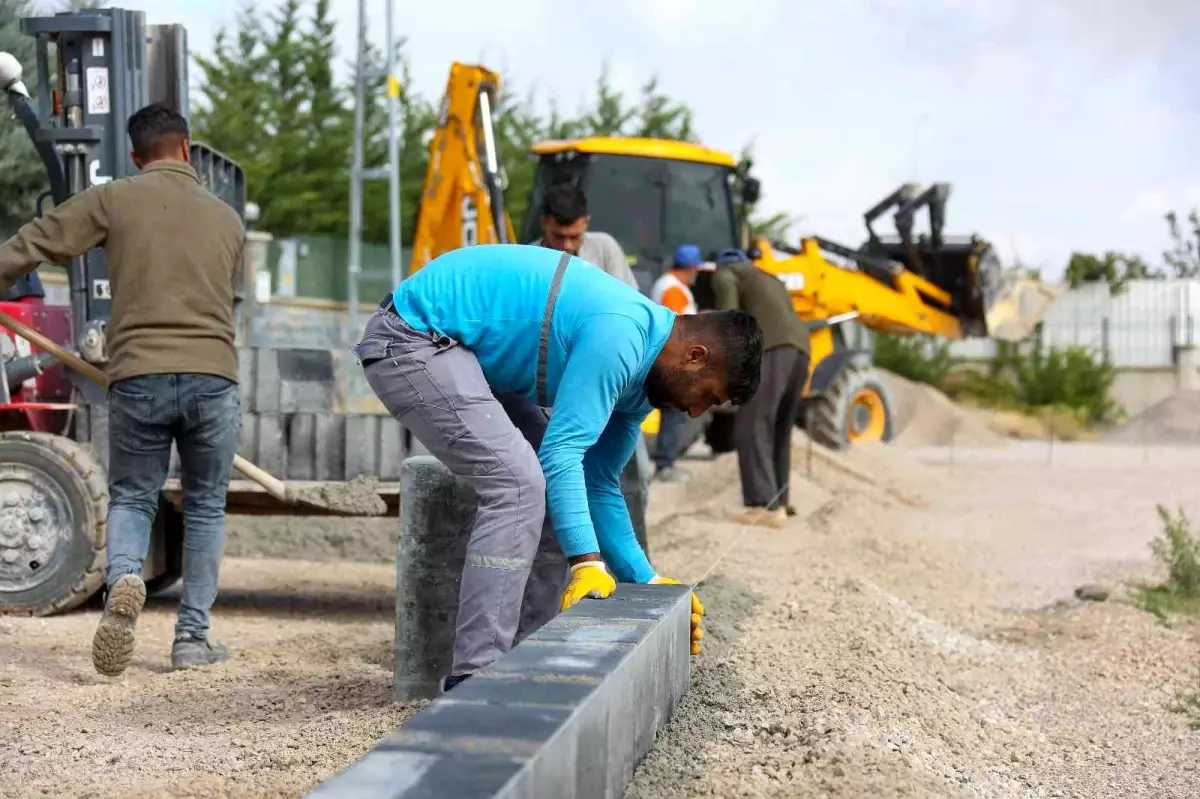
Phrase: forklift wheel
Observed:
(53, 508)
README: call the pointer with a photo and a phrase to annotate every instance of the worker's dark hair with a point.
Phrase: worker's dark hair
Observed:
(739, 344)
(565, 202)
(155, 130)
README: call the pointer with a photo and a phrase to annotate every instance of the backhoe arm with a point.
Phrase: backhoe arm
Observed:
(462, 198)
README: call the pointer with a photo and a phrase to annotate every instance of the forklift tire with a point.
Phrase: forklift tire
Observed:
(856, 409)
(719, 433)
(53, 510)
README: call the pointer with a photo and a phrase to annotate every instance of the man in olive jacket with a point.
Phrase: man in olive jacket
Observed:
(174, 253)
(762, 428)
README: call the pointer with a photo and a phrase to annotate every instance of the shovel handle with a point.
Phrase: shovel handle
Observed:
(60, 353)
(273, 485)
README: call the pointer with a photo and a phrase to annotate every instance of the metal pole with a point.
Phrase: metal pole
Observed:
(393, 86)
(354, 258)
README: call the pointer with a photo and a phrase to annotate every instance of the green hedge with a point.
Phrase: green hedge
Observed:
(1072, 378)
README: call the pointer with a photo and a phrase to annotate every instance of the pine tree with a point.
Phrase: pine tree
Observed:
(228, 112)
(24, 177)
(660, 117)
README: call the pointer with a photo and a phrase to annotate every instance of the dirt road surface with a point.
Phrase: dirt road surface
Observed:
(911, 635)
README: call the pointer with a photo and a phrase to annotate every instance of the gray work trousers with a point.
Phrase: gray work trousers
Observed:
(515, 570)
(762, 428)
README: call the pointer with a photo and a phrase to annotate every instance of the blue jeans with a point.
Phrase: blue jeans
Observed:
(202, 415)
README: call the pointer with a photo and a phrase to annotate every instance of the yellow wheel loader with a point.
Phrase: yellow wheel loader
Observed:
(652, 195)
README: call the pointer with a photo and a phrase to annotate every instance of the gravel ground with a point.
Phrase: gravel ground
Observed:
(910, 635)
(924, 641)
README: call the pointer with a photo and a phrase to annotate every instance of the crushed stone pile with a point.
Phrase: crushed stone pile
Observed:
(925, 416)
(1174, 420)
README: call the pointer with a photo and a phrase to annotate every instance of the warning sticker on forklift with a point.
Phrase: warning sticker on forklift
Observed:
(98, 101)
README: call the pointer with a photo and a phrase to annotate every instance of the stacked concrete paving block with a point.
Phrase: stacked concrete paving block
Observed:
(568, 713)
(295, 424)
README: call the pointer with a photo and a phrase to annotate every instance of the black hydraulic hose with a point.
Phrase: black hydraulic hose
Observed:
(23, 109)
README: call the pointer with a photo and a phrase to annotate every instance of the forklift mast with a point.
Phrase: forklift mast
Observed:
(95, 68)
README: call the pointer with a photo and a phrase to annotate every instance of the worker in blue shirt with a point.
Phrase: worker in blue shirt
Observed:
(468, 351)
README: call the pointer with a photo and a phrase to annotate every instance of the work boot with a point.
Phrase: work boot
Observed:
(672, 474)
(761, 517)
(112, 645)
(189, 652)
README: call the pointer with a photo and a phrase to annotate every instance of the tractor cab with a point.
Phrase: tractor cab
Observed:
(650, 195)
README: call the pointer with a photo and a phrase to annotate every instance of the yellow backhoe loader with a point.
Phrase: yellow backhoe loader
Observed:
(652, 195)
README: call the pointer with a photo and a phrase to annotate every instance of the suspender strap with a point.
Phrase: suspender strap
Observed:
(547, 317)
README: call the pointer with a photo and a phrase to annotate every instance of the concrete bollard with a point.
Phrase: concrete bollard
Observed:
(437, 511)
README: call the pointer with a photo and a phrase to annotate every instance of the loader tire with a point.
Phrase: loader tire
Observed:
(856, 409)
(53, 510)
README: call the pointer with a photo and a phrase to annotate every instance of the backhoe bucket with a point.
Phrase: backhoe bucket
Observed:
(987, 302)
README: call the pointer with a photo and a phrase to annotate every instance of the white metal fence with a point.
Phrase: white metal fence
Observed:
(1140, 327)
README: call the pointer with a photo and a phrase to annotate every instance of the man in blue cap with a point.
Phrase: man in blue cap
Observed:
(762, 428)
(674, 290)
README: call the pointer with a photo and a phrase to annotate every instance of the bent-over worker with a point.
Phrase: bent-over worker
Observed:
(762, 428)
(566, 226)
(174, 252)
(467, 352)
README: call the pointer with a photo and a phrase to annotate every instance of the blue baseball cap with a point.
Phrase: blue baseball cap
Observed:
(732, 255)
(687, 256)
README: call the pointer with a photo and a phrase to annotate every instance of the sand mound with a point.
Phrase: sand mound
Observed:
(1175, 420)
(927, 417)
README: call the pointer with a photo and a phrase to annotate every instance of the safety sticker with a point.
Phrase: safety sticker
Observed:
(98, 100)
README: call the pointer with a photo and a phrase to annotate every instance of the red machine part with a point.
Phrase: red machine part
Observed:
(42, 403)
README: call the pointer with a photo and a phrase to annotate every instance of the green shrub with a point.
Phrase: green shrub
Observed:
(993, 390)
(1072, 378)
(1179, 550)
(918, 358)
(1064, 382)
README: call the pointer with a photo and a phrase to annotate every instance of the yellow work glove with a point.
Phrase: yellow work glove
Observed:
(588, 579)
(697, 612)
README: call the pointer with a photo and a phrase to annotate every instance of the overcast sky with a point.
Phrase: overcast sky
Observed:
(1063, 124)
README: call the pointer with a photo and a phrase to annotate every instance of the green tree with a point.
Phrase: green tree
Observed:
(24, 178)
(1114, 268)
(230, 108)
(1183, 259)
(609, 116)
(657, 116)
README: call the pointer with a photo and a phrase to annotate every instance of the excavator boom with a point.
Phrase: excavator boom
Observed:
(462, 197)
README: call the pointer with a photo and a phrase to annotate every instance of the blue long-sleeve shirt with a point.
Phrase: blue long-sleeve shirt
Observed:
(604, 337)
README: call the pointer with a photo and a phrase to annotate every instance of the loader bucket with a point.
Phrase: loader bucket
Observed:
(987, 302)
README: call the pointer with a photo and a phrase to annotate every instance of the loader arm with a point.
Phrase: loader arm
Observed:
(887, 298)
(462, 197)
